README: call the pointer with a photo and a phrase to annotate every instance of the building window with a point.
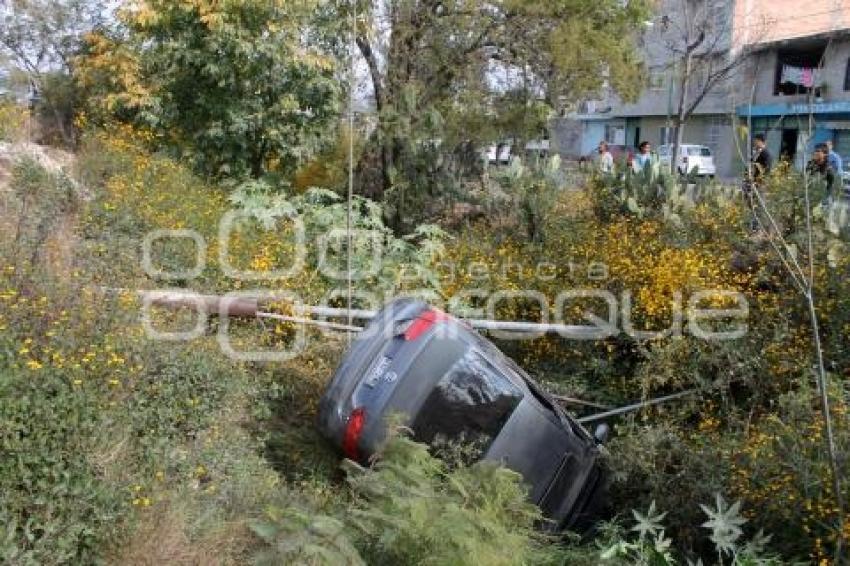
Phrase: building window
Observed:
(847, 76)
(666, 135)
(716, 16)
(842, 144)
(799, 71)
(615, 134)
(715, 132)
(656, 79)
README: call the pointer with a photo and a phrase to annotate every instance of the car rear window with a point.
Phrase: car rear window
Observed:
(472, 402)
(696, 151)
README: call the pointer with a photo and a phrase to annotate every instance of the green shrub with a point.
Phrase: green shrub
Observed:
(13, 121)
(54, 509)
(651, 546)
(410, 508)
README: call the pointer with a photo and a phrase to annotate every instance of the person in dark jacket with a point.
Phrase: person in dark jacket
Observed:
(834, 159)
(762, 159)
(818, 167)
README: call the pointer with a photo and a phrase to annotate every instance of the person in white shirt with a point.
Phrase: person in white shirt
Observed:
(643, 158)
(606, 160)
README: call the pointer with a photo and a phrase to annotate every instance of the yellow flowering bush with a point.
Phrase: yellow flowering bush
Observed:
(14, 121)
(103, 430)
(157, 425)
(688, 450)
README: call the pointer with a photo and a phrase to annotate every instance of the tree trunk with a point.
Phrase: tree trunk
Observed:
(681, 117)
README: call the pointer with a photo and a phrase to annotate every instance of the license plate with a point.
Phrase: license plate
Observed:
(377, 373)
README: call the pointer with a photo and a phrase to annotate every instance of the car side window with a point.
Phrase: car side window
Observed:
(471, 403)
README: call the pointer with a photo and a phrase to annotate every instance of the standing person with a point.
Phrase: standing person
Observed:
(818, 166)
(760, 165)
(834, 160)
(762, 159)
(643, 158)
(605, 161)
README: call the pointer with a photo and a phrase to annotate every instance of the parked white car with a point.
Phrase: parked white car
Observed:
(499, 154)
(502, 153)
(693, 159)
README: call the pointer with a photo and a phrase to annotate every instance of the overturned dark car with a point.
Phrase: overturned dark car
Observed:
(452, 383)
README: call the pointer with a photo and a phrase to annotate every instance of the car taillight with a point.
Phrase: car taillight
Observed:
(425, 321)
(353, 431)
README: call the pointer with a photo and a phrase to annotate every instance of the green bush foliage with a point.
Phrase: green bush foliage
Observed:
(230, 87)
(167, 436)
(53, 507)
(410, 508)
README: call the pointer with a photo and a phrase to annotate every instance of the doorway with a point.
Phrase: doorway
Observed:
(788, 149)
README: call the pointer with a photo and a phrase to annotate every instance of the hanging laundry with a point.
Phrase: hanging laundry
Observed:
(804, 76)
(792, 74)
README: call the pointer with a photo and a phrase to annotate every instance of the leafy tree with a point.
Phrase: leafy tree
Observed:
(232, 86)
(697, 41)
(42, 38)
(465, 72)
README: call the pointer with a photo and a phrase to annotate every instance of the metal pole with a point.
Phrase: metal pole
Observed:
(636, 407)
(247, 306)
(351, 84)
(580, 402)
(480, 324)
(309, 322)
(669, 122)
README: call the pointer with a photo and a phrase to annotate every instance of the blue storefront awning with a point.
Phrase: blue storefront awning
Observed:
(817, 108)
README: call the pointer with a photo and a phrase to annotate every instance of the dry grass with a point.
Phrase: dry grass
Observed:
(58, 252)
(60, 247)
(161, 536)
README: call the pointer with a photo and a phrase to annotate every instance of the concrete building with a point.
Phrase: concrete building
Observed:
(778, 41)
(649, 118)
(798, 75)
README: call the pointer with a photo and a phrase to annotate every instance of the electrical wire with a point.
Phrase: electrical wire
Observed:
(350, 200)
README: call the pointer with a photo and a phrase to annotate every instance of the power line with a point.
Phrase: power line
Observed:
(350, 195)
